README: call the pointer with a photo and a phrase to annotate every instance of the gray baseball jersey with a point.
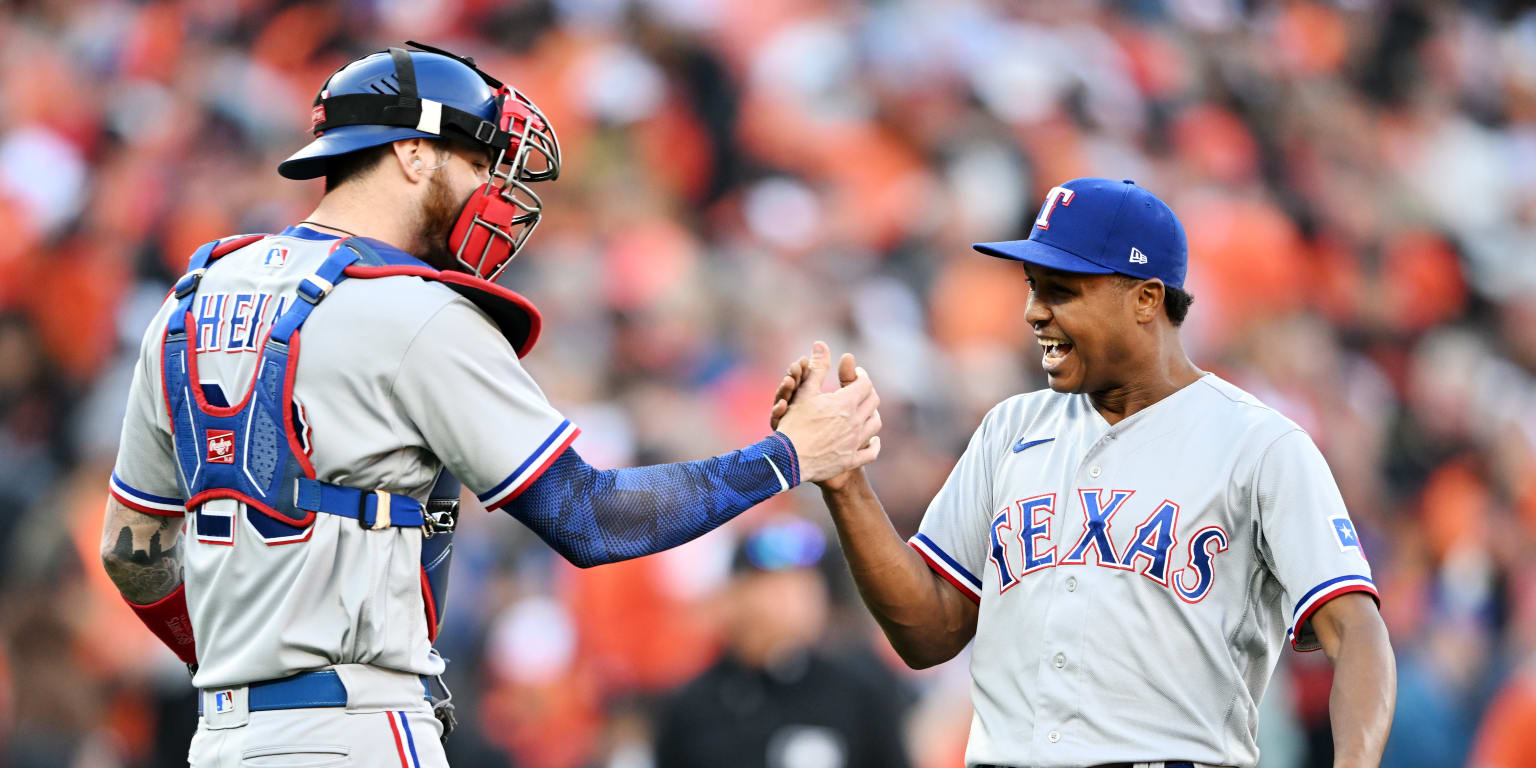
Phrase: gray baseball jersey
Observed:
(398, 377)
(1136, 581)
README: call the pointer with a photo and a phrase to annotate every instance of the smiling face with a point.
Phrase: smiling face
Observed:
(1088, 325)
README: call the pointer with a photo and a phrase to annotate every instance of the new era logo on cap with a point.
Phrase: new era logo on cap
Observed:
(1100, 227)
(221, 446)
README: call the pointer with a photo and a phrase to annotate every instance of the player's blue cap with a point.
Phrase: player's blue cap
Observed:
(1101, 227)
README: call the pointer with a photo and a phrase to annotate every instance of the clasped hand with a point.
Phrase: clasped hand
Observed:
(833, 432)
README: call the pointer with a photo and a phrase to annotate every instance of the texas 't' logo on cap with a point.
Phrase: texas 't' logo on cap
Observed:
(1100, 227)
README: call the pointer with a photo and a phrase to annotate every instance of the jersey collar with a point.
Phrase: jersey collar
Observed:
(305, 233)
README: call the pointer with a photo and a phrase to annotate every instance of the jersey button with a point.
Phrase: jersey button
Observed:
(1071, 583)
(1095, 471)
(1060, 661)
(1053, 737)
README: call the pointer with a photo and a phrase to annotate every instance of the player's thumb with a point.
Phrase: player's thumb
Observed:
(847, 369)
(816, 371)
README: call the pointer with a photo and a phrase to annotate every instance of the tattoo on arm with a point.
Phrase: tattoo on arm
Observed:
(144, 557)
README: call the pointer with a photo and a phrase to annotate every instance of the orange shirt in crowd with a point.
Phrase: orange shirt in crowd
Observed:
(1508, 736)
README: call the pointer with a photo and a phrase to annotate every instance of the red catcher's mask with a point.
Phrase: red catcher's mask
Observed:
(499, 216)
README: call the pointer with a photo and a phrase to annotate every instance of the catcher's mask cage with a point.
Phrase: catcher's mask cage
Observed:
(498, 218)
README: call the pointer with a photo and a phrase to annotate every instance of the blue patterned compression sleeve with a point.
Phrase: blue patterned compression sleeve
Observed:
(593, 517)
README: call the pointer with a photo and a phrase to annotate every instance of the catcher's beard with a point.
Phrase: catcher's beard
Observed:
(436, 217)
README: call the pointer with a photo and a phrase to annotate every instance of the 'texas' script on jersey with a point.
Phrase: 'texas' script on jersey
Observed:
(1022, 541)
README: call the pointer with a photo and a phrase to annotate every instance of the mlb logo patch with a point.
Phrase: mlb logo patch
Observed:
(1344, 530)
(224, 701)
(221, 446)
(276, 257)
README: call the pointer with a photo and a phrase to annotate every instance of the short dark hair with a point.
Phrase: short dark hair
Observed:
(1176, 301)
(344, 168)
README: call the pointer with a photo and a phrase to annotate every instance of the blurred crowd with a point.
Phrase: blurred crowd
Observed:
(1357, 179)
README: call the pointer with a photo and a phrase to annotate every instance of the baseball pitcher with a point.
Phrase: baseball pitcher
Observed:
(1131, 548)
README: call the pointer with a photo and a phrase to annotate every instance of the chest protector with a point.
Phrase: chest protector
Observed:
(251, 452)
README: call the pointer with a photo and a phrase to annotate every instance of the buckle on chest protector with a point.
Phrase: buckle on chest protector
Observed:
(188, 283)
(439, 516)
(313, 288)
(379, 519)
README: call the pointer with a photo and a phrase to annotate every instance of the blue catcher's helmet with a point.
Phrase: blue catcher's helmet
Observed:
(433, 94)
(437, 77)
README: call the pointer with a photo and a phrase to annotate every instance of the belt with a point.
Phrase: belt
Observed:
(320, 688)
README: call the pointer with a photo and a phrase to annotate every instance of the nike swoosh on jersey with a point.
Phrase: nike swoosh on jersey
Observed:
(1022, 445)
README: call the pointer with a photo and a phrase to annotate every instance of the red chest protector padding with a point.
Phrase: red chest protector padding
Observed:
(516, 317)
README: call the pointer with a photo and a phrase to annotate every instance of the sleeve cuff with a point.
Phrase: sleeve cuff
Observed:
(148, 503)
(947, 567)
(781, 449)
(531, 468)
(1300, 634)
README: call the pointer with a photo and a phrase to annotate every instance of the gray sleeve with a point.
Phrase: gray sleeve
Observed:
(953, 536)
(145, 476)
(477, 410)
(1307, 537)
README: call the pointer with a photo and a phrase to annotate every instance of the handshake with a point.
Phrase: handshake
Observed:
(834, 433)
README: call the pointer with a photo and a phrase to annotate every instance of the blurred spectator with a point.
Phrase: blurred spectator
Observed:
(1507, 738)
(773, 700)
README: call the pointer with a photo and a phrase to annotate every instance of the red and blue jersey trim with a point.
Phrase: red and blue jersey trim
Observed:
(534, 466)
(947, 567)
(148, 503)
(1320, 594)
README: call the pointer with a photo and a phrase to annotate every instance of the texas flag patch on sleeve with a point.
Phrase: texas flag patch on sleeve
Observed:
(1344, 530)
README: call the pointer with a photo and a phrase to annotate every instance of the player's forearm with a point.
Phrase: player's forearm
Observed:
(926, 620)
(594, 517)
(1364, 690)
(141, 553)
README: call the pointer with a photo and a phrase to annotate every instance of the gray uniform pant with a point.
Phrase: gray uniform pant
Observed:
(385, 723)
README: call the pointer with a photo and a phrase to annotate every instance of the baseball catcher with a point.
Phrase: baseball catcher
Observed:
(307, 403)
